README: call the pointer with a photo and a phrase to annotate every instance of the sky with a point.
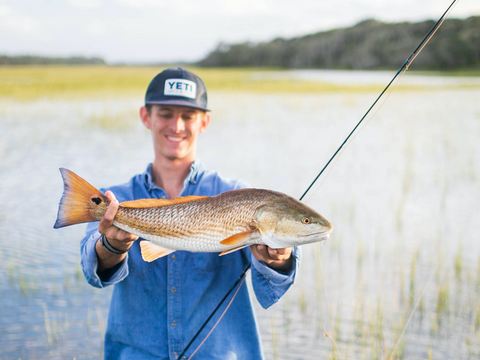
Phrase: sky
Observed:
(153, 31)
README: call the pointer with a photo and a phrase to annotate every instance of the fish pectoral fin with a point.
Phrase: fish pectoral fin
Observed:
(238, 238)
(151, 252)
(232, 250)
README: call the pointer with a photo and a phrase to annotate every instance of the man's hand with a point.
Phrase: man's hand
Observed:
(277, 259)
(118, 238)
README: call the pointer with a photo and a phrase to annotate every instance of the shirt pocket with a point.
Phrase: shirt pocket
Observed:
(204, 263)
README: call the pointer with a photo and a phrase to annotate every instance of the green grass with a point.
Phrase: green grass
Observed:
(32, 82)
(466, 73)
(108, 120)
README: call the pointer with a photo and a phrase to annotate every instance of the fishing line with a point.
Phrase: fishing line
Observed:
(415, 307)
(402, 69)
(335, 347)
(324, 282)
(220, 318)
(240, 278)
(355, 135)
(405, 66)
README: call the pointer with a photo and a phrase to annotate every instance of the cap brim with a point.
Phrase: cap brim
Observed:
(177, 102)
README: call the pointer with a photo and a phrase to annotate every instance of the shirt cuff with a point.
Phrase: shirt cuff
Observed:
(271, 285)
(89, 262)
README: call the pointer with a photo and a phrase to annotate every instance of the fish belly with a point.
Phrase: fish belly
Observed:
(206, 241)
(196, 226)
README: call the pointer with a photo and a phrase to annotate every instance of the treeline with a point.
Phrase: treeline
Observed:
(41, 60)
(369, 44)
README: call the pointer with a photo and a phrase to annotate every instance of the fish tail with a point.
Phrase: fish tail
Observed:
(80, 201)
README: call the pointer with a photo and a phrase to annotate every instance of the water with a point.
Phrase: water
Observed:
(403, 196)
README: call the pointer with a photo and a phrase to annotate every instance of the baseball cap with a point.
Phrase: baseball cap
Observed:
(177, 87)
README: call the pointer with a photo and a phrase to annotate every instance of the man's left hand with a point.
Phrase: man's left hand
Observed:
(277, 259)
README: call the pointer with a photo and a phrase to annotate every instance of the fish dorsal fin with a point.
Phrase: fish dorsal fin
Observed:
(238, 238)
(232, 250)
(151, 252)
(149, 203)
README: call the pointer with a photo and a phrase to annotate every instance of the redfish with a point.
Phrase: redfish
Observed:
(222, 223)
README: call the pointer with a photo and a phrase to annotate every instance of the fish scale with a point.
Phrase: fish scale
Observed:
(180, 225)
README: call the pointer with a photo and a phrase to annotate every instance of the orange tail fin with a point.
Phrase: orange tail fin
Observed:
(80, 201)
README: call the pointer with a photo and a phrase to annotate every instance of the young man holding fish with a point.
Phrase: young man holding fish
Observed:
(157, 306)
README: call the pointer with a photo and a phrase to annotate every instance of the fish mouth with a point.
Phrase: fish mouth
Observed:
(319, 236)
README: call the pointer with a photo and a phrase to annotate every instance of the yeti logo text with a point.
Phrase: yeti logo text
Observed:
(180, 87)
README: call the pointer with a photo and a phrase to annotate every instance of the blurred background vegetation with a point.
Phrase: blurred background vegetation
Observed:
(370, 44)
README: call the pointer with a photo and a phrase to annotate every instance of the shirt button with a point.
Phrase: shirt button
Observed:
(174, 257)
(174, 290)
(174, 323)
(163, 196)
(176, 355)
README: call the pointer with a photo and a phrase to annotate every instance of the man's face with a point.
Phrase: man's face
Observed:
(175, 129)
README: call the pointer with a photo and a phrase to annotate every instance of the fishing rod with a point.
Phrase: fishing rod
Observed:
(401, 70)
(240, 278)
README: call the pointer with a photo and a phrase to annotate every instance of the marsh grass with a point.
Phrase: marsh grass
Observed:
(443, 300)
(48, 327)
(463, 73)
(360, 286)
(274, 338)
(77, 82)
(413, 272)
(458, 265)
(302, 302)
(115, 121)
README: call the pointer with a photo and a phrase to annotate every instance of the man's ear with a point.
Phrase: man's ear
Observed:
(145, 117)
(205, 122)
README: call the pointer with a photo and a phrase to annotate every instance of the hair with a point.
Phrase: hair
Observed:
(149, 108)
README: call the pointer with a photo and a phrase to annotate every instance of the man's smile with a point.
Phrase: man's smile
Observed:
(175, 138)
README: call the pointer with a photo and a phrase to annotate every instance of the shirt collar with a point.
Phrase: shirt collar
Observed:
(195, 170)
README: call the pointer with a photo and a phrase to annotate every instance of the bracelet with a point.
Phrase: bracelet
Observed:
(110, 248)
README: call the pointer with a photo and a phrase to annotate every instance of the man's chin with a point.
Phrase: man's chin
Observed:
(172, 156)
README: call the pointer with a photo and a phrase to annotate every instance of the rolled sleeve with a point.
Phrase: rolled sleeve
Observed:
(89, 262)
(270, 285)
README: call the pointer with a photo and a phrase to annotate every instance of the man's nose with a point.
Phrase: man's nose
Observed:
(178, 124)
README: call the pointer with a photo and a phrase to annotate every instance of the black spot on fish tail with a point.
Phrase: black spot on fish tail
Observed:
(97, 200)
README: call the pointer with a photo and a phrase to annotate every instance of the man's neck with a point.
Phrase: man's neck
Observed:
(170, 174)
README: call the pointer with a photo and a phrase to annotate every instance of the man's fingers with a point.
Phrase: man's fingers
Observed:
(114, 233)
(279, 259)
(263, 252)
(267, 254)
(110, 196)
(279, 254)
(281, 251)
(105, 225)
(130, 236)
(275, 253)
(260, 252)
(111, 210)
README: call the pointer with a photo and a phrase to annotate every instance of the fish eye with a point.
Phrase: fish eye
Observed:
(306, 220)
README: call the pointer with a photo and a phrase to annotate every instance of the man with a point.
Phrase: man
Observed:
(157, 307)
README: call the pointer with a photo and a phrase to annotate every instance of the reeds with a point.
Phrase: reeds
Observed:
(33, 82)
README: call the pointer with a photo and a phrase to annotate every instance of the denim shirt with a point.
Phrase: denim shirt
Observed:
(156, 308)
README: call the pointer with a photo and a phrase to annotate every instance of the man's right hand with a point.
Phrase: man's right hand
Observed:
(116, 237)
